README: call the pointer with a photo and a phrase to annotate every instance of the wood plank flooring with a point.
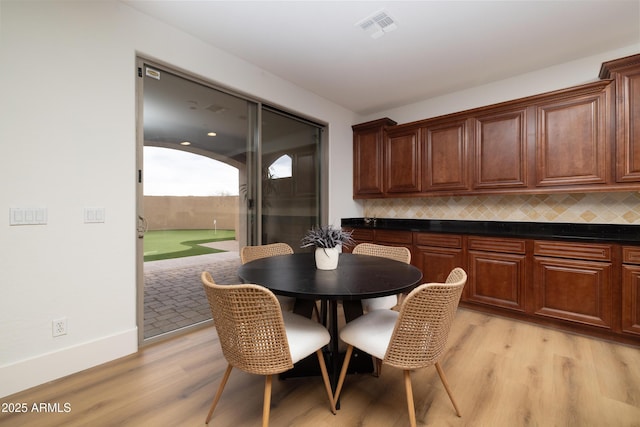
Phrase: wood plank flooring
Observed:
(502, 373)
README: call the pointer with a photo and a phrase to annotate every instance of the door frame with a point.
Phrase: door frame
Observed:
(253, 214)
(141, 63)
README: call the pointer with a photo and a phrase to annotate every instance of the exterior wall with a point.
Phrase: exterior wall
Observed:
(596, 208)
(190, 213)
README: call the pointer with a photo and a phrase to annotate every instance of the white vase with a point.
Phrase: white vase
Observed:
(327, 258)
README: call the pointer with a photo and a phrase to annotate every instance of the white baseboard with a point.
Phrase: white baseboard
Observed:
(38, 370)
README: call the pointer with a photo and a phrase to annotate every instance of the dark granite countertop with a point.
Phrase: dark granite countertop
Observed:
(600, 233)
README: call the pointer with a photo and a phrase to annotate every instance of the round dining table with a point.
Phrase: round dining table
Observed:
(357, 277)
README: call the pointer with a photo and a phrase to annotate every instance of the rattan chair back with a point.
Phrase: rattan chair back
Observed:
(398, 253)
(250, 327)
(423, 325)
(250, 253)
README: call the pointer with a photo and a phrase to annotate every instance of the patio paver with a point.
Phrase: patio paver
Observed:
(173, 294)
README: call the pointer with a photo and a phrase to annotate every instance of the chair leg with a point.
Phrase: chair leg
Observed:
(400, 300)
(267, 401)
(411, 407)
(223, 382)
(325, 378)
(446, 387)
(377, 363)
(343, 373)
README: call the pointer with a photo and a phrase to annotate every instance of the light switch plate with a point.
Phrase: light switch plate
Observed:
(27, 216)
(93, 215)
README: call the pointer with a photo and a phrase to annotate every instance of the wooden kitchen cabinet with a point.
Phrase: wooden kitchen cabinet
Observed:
(445, 151)
(497, 272)
(573, 136)
(382, 237)
(631, 290)
(575, 285)
(573, 282)
(402, 161)
(394, 238)
(359, 235)
(437, 254)
(500, 153)
(368, 157)
(580, 139)
(626, 73)
(362, 235)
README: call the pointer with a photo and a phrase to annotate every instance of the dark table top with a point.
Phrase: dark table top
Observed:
(357, 276)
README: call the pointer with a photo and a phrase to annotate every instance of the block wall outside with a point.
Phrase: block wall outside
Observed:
(191, 212)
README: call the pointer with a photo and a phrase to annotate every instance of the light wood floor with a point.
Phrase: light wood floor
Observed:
(502, 373)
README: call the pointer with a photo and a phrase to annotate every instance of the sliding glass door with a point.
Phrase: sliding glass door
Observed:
(216, 171)
(197, 162)
(290, 162)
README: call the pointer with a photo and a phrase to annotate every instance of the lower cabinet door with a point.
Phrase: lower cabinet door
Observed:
(436, 263)
(574, 290)
(631, 299)
(497, 279)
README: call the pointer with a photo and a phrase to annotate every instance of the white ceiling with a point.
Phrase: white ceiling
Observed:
(438, 47)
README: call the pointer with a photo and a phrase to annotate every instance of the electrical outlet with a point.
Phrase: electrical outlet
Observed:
(59, 327)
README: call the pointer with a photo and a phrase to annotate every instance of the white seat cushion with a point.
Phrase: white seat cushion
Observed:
(304, 335)
(379, 303)
(371, 332)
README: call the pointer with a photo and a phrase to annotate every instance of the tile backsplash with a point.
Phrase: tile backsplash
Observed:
(595, 208)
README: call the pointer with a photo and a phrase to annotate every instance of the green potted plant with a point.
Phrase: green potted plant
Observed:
(328, 241)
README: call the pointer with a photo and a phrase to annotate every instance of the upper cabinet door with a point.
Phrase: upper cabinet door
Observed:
(572, 137)
(402, 169)
(500, 150)
(368, 139)
(626, 72)
(445, 155)
(628, 159)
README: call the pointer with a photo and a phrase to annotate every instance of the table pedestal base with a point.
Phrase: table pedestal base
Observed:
(360, 363)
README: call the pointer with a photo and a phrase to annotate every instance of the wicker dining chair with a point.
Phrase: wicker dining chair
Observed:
(256, 336)
(398, 253)
(413, 338)
(251, 253)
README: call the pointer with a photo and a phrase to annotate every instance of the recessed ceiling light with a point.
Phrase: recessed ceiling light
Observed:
(185, 143)
(212, 134)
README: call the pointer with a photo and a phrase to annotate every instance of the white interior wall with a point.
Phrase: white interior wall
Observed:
(68, 132)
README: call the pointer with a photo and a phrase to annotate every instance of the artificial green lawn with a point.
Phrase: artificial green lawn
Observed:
(166, 244)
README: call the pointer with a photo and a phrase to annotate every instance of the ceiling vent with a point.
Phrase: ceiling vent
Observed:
(377, 24)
